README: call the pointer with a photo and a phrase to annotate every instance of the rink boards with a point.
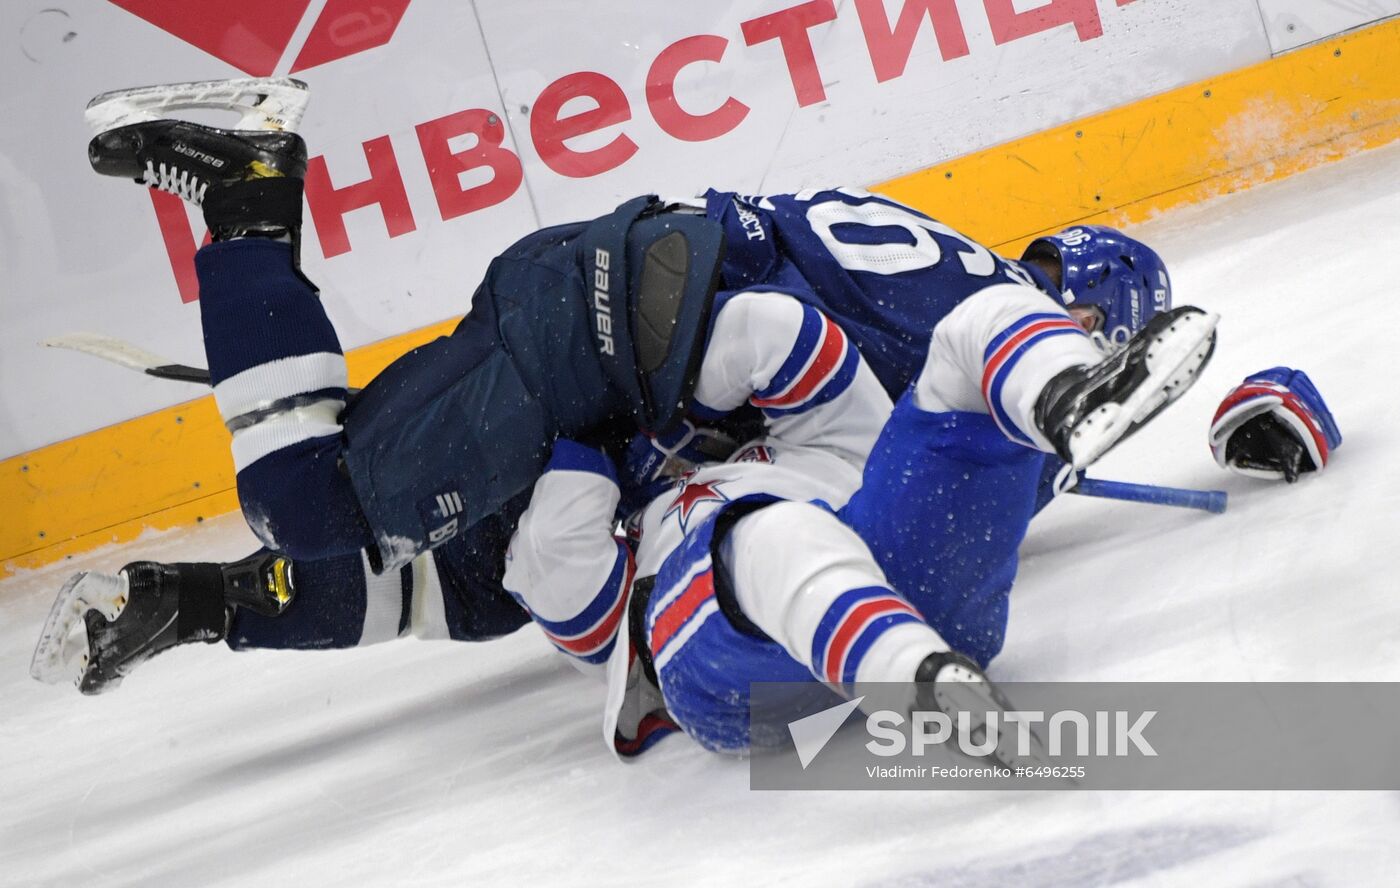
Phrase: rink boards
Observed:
(1304, 107)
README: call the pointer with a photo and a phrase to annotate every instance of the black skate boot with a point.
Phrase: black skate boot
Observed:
(187, 159)
(101, 626)
(1085, 411)
(248, 183)
(137, 134)
(248, 178)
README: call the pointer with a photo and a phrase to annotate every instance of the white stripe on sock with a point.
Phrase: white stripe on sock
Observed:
(383, 604)
(293, 427)
(429, 614)
(895, 657)
(257, 387)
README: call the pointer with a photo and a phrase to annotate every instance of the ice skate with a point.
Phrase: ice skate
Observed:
(1085, 411)
(952, 684)
(103, 626)
(136, 135)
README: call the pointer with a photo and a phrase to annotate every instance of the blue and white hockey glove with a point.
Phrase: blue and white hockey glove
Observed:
(1274, 425)
(653, 464)
(651, 458)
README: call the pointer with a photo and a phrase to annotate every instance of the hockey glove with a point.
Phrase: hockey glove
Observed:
(1274, 425)
(676, 452)
(654, 463)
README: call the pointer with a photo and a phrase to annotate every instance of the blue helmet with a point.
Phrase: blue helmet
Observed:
(1103, 267)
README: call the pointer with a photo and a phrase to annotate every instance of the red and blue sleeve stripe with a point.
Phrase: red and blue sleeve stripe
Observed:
(691, 601)
(820, 366)
(809, 336)
(850, 626)
(591, 634)
(1005, 351)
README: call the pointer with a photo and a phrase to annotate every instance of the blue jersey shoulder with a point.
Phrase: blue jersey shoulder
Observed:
(887, 273)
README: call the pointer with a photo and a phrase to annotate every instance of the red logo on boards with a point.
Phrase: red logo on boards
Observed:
(258, 36)
(254, 35)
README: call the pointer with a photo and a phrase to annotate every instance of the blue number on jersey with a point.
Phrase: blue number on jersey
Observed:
(887, 274)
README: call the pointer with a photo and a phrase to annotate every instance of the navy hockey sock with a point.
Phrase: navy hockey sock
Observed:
(335, 607)
(279, 377)
(256, 309)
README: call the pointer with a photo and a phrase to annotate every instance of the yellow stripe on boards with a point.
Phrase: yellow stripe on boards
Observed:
(1251, 126)
(166, 469)
(1264, 122)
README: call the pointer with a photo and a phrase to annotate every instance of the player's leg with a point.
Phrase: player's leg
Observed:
(703, 662)
(279, 379)
(952, 483)
(1011, 353)
(275, 362)
(339, 603)
(102, 626)
(944, 503)
(806, 581)
(444, 594)
(278, 374)
(785, 593)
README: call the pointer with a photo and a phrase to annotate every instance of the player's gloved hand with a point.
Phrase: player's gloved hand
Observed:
(652, 458)
(1274, 425)
(653, 463)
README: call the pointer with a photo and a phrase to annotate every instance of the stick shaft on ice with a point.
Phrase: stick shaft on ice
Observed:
(1213, 501)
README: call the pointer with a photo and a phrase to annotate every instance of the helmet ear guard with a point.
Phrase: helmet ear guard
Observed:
(1101, 266)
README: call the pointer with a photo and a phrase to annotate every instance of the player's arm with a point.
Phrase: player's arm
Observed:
(798, 367)
(564, 565)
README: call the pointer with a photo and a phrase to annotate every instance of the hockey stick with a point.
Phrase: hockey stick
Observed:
(118, 351)
(1213, 501)
(109, 348)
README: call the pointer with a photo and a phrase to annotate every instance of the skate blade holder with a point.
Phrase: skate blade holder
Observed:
(960, 694)
(1172, 363)
(262, 103)
(62, 652)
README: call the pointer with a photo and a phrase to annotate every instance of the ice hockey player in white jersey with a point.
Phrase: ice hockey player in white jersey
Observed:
(748, 572)
(773, 498)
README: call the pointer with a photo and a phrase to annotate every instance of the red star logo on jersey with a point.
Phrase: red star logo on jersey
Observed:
(691, 495)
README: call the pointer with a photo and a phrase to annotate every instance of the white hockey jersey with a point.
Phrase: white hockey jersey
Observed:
(823, 410)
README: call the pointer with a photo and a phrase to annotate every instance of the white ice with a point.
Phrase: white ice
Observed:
(433, 763)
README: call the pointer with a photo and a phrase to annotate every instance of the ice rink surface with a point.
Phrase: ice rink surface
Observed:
(433, 763)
